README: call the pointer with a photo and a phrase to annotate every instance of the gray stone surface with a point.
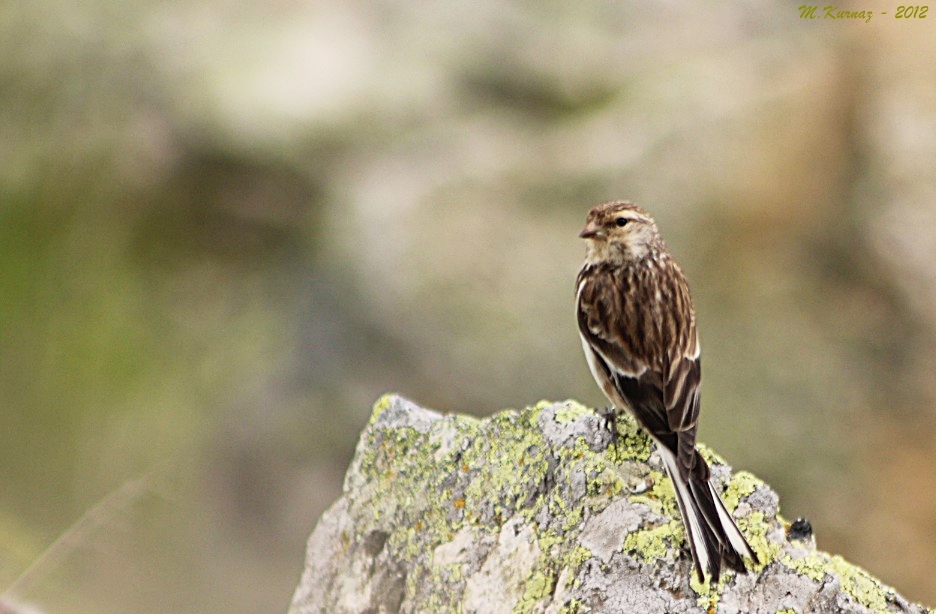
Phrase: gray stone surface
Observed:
(535, 511)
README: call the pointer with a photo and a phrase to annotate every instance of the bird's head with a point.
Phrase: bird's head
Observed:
(619, 231)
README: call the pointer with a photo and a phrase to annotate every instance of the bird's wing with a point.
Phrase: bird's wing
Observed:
(615, 357)
(683, 368)
(681, 389)
(681, 397)
(662, 392)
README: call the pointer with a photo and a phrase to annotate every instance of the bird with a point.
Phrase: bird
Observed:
(638, 331)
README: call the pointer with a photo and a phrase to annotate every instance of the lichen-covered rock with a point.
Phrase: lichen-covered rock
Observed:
(538, 510)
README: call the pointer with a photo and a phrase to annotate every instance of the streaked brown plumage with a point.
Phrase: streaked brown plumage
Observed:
(638, 331)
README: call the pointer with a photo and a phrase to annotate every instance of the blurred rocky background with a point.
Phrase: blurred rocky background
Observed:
(226, 227)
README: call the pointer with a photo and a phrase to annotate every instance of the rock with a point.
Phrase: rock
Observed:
(537, 511)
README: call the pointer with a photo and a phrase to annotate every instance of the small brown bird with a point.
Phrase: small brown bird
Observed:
(638, 331)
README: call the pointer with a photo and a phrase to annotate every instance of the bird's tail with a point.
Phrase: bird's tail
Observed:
(714, 538)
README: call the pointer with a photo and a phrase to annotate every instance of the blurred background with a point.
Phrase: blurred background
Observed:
(227, 227)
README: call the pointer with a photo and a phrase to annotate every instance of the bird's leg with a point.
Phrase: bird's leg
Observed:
(609, 416)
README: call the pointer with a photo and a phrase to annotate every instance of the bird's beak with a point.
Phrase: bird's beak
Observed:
(591, 231)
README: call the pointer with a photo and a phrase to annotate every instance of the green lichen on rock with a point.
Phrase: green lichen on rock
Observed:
(866, 589)
(537, 588)
(659, 495)
(425, 479)
(742, 484)
(540, 510)
(654, 543)
(855, 581)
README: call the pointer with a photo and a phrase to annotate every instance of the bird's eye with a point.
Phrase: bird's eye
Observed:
(621, 221)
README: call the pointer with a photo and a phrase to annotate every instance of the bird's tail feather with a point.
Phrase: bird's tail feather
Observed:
(713, 536)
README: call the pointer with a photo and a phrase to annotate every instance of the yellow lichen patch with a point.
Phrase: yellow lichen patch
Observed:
(538, 587)
(742, 484)
(577, 557)
(569, 410)
(654, 543)
(856, 582)
(660, 497)
(701, 588)
(755, 527)
(866, 589)
(380, 406)
(517, 447)
(633, 443)
(812, 565)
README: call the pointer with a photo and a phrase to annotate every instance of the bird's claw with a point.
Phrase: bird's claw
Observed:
(609, 416)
